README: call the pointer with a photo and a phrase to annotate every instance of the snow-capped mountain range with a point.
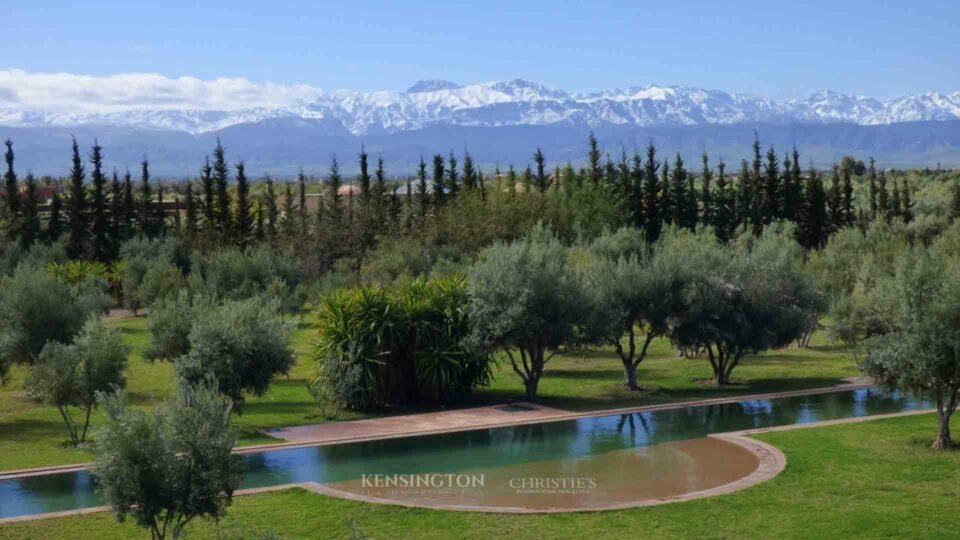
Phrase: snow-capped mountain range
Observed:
(519, 103)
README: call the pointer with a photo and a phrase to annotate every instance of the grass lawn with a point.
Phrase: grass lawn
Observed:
(876, 479)
(33, 436)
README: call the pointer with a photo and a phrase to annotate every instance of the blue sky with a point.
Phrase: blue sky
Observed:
(777, 49)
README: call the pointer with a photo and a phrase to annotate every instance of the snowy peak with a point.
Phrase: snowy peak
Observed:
(520, 102)
(431, 85)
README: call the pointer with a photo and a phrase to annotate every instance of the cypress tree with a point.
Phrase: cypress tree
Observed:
(896, 206)
(116, 213)
(334, 181)
(872, 180)
(722, 216)
(541, 181)
(636, 198)
(679, 196)
(883, 196)
(848, 214)
(191, 212)
(527, 180)
(623, 174)
(793, 190)
(160, 221)
(145, 220)
(836, 215)
(653, 218)
(271, 209)
(666, 200)
(76, 206)
(813, 228)
(55, 224)
(770, 209)
(907, 212)
(30, 216)
(243, 223)
(302, 205)
(438, 173)
(423, 200)
(11, 192)
(100, 224)
(593, 160)
(453, 183)
(209, 203)
(744, 196)
(129, 206)
(288, 218)
(364, 178)
(221, 174)
(380, 192)
(470, 180)
(706, 199)
(177, 221)
(512, 180)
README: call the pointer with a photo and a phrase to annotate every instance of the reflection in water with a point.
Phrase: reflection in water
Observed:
(563, 442)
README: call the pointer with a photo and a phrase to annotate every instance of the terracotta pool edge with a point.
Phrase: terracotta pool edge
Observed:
(36, 471)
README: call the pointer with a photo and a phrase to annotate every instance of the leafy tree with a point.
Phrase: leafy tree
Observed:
(638, 292)
(37, 308)
(883, 197)
(527, 302)
(169, 466)
(754, 298)
(243, 226)
(239, 347)
(849, 217)
(921, 351)
(170, 321)
(76, 206)
(954, 211)
(66, 376)
(906, 213)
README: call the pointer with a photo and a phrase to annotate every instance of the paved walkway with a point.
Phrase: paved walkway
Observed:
(478, 417)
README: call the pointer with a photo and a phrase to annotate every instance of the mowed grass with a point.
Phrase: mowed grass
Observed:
(875, 479)
(33, 435)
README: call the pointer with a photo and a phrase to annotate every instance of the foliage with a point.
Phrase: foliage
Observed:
(755, 297)
(920, 352)
(170, 466)
(37, 308)
(525, 300)
(171, 320)
(407, 342)
(239, 346)
(233, 274)
(66, 376)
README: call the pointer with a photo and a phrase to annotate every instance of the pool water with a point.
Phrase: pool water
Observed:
(570, 463)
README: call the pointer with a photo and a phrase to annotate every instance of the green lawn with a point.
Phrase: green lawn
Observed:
(33, 436)
(876, 479)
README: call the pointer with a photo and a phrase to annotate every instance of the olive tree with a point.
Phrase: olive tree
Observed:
(639, 294)
(67, 376)
(169, 466)
(528, 302)
(921, 350)
(751, 299)
(36, 308)
(239, 346)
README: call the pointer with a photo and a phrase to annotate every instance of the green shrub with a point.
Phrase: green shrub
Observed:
(407, 343)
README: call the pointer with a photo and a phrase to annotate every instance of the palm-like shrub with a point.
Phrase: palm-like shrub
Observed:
(406, 343)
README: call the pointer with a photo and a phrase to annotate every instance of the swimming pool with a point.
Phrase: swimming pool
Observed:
(579, 463)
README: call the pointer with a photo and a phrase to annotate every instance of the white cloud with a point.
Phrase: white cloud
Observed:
(72, 93)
